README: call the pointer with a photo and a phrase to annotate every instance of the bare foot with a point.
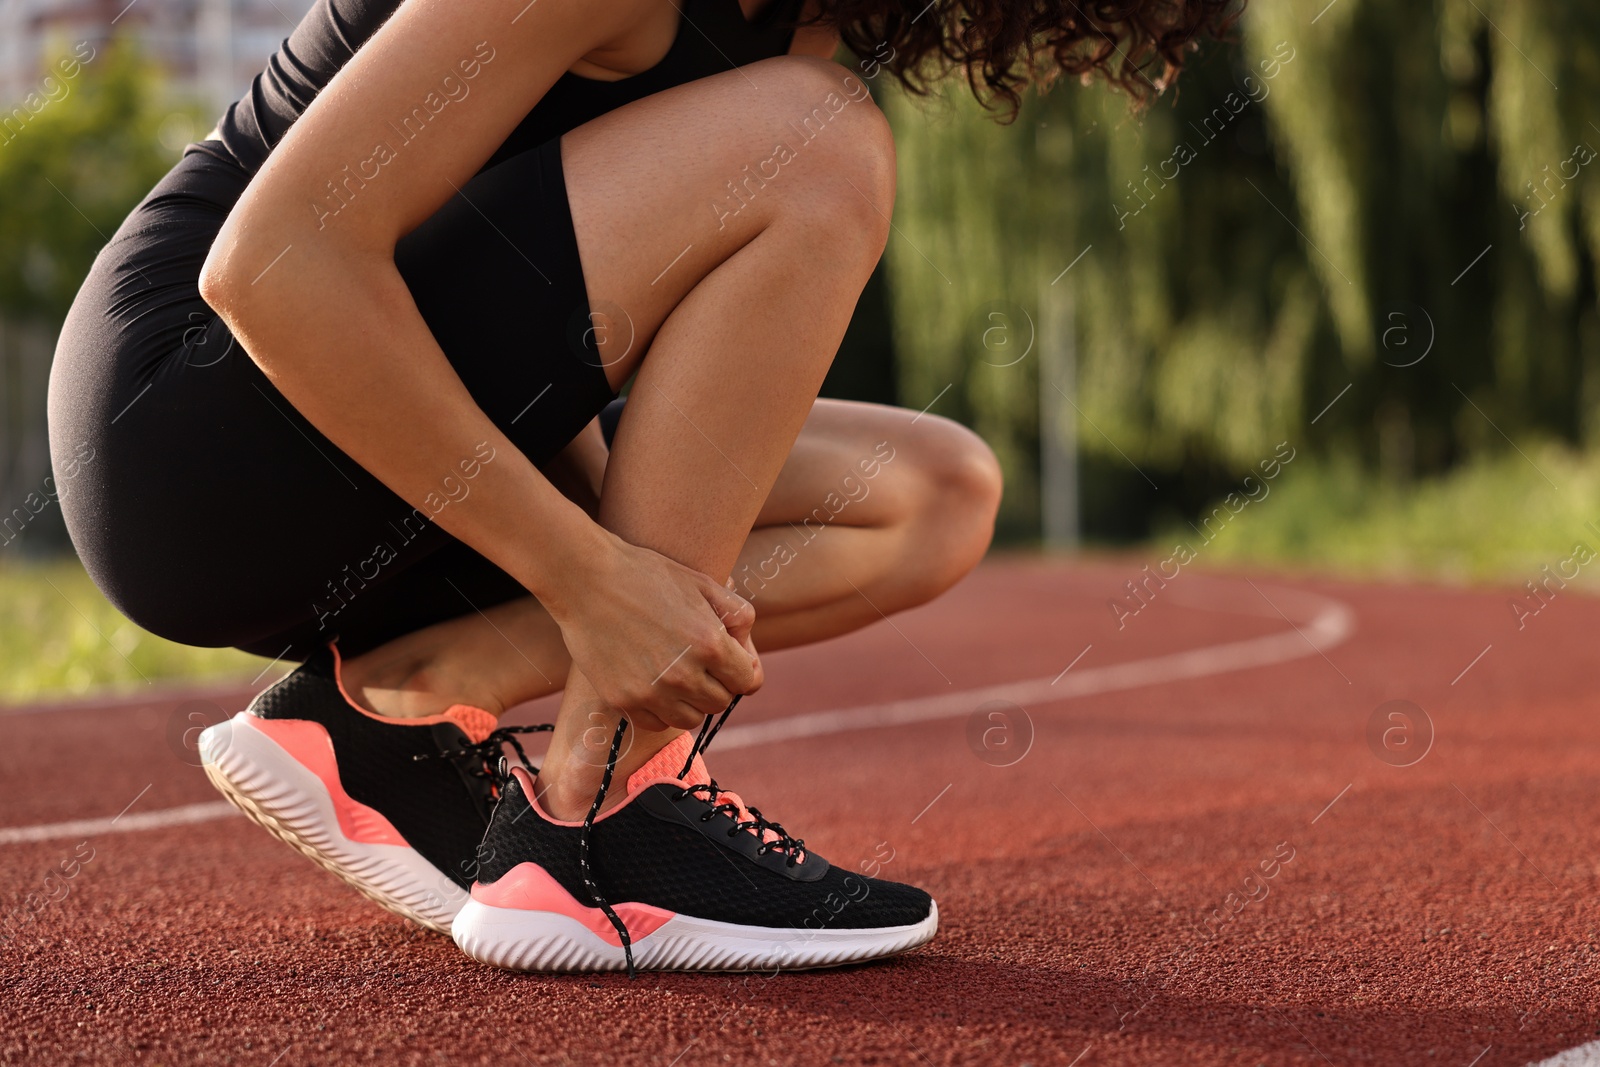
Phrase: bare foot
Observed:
(403, 688)
(489, 660)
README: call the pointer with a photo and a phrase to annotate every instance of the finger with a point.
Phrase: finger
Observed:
(687, 716)
(709, 694)
(678, 700)
(755, 661)
(693, 680)
(688, 712)
(648, 721)
(732, 665)
(736, 613)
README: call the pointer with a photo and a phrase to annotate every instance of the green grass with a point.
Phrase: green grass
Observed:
(59, 637)
(1493, 520)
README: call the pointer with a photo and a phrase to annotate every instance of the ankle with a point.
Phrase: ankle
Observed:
(437, 683)
(566, 786)
(566, 801)
(409, 689)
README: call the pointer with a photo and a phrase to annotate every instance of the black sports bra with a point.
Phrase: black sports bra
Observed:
(713, 36)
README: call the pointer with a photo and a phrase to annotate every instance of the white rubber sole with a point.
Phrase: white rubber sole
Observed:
(522, 940)
(286, 799)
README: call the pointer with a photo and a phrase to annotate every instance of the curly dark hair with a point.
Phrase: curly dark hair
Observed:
(1006, 46)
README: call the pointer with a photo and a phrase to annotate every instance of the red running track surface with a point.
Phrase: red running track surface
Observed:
(1105, 899)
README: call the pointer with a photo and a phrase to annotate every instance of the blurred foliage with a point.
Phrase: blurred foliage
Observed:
(1366, 229)
(75, 170)
(1495, 519)
(59, 636)
(89, 147)
(1304, 214)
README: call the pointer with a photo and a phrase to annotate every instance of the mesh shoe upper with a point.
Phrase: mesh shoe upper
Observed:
(654, 849)
(413, 772)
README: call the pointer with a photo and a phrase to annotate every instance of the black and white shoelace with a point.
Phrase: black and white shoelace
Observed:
(708, 730)
(486, 756)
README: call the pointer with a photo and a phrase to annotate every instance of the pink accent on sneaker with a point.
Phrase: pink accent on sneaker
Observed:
(474, 722)
(526, 781)
(665, 765)
(529, 887)
(662, 767)
(311, 747)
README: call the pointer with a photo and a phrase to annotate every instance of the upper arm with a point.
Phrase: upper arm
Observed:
(407, 121)
(820, 41)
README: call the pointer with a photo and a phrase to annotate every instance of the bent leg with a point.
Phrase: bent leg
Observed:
(876, 510)
(739, 294)
(734, 258)
(741, 309)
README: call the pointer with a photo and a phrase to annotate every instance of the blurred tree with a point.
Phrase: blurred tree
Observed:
(71, 175)
(1401, 199)
(74, 160)
(863, 369)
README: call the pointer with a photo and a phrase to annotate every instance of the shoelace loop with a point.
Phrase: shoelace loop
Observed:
(736, 808)
(583, 849)
(487, 756)
(708, 730)
(781, 841)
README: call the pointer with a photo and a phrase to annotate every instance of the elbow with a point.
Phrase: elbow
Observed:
(219, 281)
(250, 269)
(213, 287)
(247, 302)
(269, 287)
(251, 288)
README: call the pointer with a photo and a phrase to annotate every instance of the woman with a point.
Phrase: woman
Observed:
(352, 368)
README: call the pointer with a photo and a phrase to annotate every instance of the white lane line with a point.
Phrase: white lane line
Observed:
(1331, 623)
(149, 820)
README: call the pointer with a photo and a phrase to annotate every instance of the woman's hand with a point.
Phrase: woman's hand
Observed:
(661, 641)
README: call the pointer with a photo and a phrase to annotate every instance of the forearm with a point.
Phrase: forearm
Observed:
(322, 309)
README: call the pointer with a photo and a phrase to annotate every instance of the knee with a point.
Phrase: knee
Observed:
(956, 497)
(840, 142)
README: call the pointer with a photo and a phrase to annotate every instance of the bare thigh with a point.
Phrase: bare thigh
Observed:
(666, 189)
(851, 465)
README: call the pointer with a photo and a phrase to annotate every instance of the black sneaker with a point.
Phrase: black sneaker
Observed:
(395, 807)
(700, 881)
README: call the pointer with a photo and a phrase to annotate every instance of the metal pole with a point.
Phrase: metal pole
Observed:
(1058, 419)
(214, 48)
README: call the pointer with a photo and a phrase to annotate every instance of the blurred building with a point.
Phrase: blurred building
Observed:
(210, 48)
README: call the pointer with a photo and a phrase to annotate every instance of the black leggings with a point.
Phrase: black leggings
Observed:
(212, 513)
